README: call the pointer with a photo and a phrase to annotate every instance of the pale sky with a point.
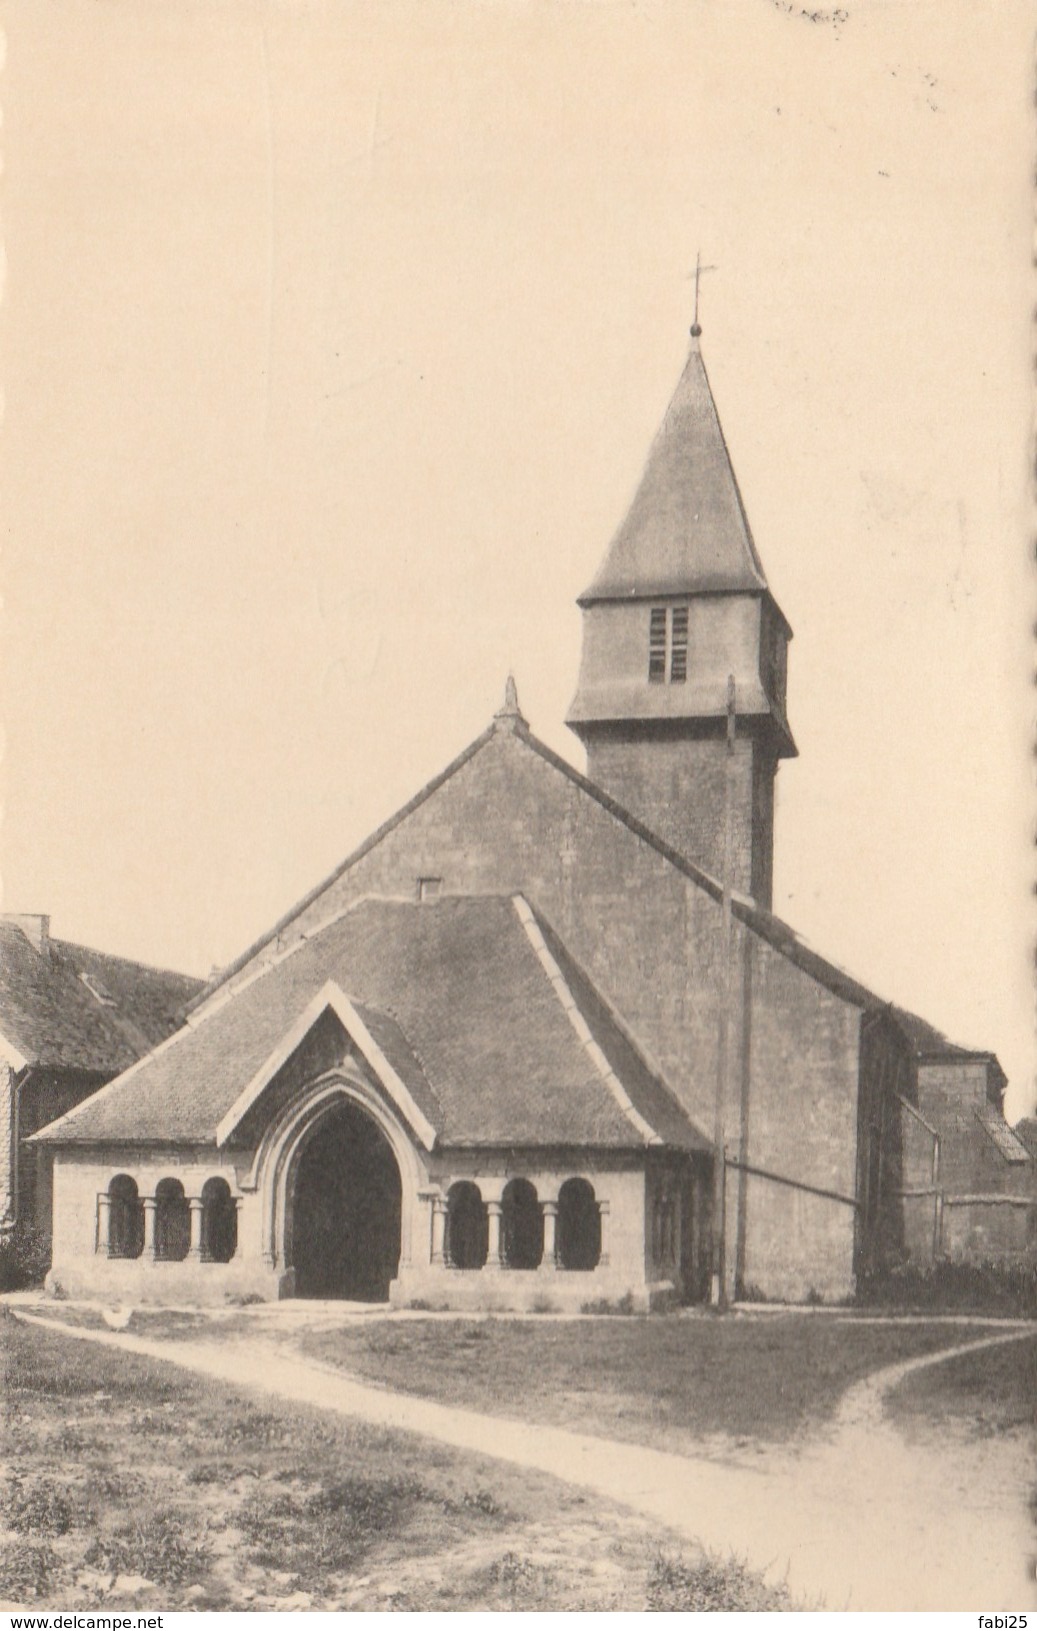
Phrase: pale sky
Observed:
(333, 339)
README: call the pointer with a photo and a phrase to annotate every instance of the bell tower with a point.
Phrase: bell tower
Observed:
(680, 606)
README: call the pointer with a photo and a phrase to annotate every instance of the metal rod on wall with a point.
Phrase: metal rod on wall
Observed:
(719, 1285)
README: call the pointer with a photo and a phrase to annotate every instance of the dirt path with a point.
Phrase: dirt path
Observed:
(860, 1520)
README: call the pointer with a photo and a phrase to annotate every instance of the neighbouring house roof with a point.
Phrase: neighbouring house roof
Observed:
(686, 531)
(65, 1006)
(924, 1041)
(492, 1029)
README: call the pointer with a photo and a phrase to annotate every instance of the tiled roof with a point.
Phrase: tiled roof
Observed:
(1026, 1132)
(644, 1082)
(929, 1043)
(686, 531)
(483, 1030)
(55, 1017)
(925, 1041)
(996, 1127)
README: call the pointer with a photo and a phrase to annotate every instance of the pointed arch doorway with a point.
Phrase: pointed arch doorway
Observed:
(346, 1202)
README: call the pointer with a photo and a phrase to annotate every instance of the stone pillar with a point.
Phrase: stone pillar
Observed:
(550, 1257)
(438, 1230)
(238, 1199)
(104, 1209)
(150, 1205)
(603, 1213)
(494, 1213)
(194, 1249)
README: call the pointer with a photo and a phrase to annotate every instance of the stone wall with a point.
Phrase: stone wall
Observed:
(919, 1198)
(619, 1187)
(947, 1189)
(800, 1246)
(894, 1150)
(793, 1131)
(949, 1095)
(45, 1095)
(677, 785)
(997, 1228)
(80, 1264)
(989, 1204)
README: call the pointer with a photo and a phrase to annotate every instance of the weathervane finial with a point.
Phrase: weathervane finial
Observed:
(696, 327)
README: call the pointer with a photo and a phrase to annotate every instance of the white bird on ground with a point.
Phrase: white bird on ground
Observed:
(117, 1319)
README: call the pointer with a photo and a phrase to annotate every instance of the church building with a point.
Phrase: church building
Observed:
(539, 1042)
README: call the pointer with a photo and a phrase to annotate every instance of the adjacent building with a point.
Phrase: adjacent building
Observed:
(71, 1018)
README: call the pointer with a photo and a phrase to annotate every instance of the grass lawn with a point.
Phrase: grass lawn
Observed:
(130, 1483)
(673, 1382)
(991, 1393)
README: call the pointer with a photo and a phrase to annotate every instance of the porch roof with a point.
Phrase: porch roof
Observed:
(493, 1034)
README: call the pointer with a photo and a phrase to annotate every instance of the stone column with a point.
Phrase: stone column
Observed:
(104, 1209)
(438, 1230)
(150, 1205)
(550, 1257)
(603, 1213)
(494, 1212)
(194, 1249)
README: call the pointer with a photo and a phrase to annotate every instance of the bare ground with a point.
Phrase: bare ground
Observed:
(851, 1514)
(133, 1483)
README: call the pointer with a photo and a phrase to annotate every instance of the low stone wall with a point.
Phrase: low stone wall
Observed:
(530, 1291)
(145, 1281)
(989, 1228)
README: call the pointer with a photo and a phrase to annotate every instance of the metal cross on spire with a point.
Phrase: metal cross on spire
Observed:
(699, 269)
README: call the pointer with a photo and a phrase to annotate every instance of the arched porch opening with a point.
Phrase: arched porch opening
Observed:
(579, 1225)
(467, 1227)
(523, 1225)
(172, 1221)
(219, 1221)
(125, 1218)
(346, 1202)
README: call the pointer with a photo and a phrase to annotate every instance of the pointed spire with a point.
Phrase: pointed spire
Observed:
(509, 713)
(686, 531)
